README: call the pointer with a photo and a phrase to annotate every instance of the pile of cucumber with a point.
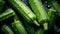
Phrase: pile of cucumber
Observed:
(29, 16)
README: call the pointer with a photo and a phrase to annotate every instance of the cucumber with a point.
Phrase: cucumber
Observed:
(40, 31)
(20, 28)
(7, 14)
(24, 11)
(6, 29)
(40, 12)
(2, 3)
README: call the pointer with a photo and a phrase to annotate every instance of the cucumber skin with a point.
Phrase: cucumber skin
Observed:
(7, 14)
(39, 10)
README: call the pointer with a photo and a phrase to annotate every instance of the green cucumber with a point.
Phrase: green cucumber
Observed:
(6, 29)
(19, 26)
(8, 13)
(24, 11)
(40, 12)
(1, 5)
